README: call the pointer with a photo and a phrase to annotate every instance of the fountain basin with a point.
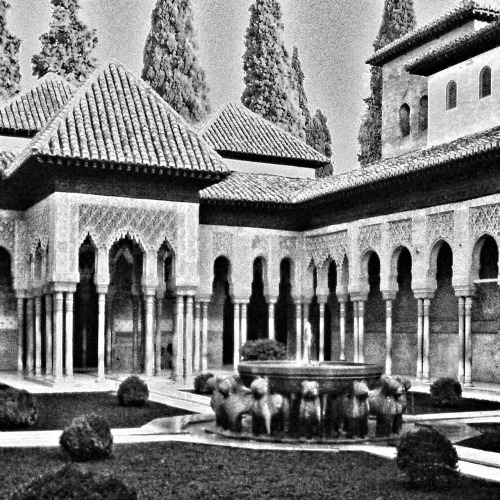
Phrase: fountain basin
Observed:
(333, 377)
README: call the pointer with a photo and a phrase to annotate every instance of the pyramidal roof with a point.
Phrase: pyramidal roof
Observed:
(236, 129)
(115, 117)
(31, 109)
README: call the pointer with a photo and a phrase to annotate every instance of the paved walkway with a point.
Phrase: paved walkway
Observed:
(472, 462)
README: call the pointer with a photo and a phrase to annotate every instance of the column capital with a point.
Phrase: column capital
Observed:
(102, 289)
(389, 294)
(185, 290)
(61, 286)
(343, 297)
(20, 294)
(240, 300)
(271, 299)
(359, 296)
(149, 291)
(203, 298)
(423, 293)
(464, 290)
(322, 299)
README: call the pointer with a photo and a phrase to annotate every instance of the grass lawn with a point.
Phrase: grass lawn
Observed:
(55, 411)
(420, 403)
(188, 471)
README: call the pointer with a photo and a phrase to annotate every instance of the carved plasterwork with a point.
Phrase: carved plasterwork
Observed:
(260, 245)
(37, 227)
(440, 226)
(320, 248)
(7, 233)
(107, 224)
(288, 245)
(400, 233)
(222, 244)
(369, 237)
(485, 219)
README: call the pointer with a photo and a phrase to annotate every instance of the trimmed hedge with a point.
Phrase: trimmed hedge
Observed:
(200, 383)
(446, 392)
(263, 350)
(71, 482)
(133, 391)
(18, 409)
(87, 438)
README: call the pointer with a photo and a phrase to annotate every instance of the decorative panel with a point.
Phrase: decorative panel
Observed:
(440, 226)
(320, 248)
(369, 237)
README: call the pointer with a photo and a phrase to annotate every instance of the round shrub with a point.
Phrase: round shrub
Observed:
(17, 409)
(446, 392)
(263, 350)
(200, 383)
(427, 457)
(71, 482)
(87, 437)
(133, 392)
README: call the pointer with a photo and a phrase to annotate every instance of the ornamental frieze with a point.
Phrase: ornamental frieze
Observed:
(485, 219)
(400, 233)
(260, 245)
(7, 233)
(440, 225)
(288, 245)
(222, 244)
(369, 237)
(107, 224)
(320, 248)
(37, 227)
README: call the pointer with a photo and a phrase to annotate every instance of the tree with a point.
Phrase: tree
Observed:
(171, 64)
(10, 73)
(319, 136)
(298, 79)
(68, 45)
(269, 87)
(398, 18)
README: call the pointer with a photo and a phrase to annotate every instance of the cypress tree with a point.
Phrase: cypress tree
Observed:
(319, 136)
(269, 80)
(171, 64)
(68, 45)
(398, 19)
(10, 73)
(298, 78)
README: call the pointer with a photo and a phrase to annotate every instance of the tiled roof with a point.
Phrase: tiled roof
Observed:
(6, 158)
(457, 51)
(115, 117)
(464, 10)
(30, 110)
(236, 129)
(257, 188)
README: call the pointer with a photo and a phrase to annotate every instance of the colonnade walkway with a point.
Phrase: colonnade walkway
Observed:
(474, 463)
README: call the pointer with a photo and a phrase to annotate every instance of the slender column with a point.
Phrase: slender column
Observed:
(420, 332)
(244, 324)
(135, 331)
(69, 334)
(108, 308)
(271, 328)
(361, 331)
(101, 337)
(178, 340)
(48, 334)
(321, 354)
(342, 331)
(189, 335)
(356, 332)
(461, 340)
(197, 337)
(204, 338)
(159, 314)
(20, 333)
(468, 342)
(388, 336)
(426, 341)
(58, 335)
(38, 336)
(236, 341)
(298, 327)
(149, 342)
(30, 335)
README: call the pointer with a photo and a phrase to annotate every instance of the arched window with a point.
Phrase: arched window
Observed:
(404, 120)
(451, 95)
(485, 82)
(423, 113)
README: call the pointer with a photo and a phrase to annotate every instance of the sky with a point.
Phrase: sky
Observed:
(334, 38)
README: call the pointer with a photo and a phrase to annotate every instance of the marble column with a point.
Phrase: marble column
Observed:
(135, 331)
(204, 337)
(197, 337)
(48, 334)
(388, 336)
(158, 340)
(271, 326)
(244, 325)
(108, 314)
(20, 333)
(356, 331)
(321, 354)
(468, 342)
(101, 336)
(426, 342)
(58, 336)
(189, 335)
(178, 340)
(361, 331)
(30, 335)
(149, 357)
(38, 336)
(69, 296)
(461, 339)
(342, 330)
(236, 338)
(420, 336)
(298, 329)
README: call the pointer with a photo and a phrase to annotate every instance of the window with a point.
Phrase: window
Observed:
(423, 113)
(404, 120)
(485, 82)
(451, 95)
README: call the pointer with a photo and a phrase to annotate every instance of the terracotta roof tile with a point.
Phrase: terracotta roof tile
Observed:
(236, 129)
(484, 10)
(30, 110)
(116, 117)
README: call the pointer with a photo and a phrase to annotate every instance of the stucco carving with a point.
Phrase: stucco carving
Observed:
(400, 233)
(260, 245)
(288, 245)
(320, 248)
(222, 244)
(485, 219)
(107, 224)
(369, 237)
(440, 226)
(37, 227)
(7, 233)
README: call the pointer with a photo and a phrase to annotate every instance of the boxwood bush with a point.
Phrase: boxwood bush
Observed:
(200, 383)
(446, 391)
(18, 409)
(133, 391)
(262, 350)
(87, 438)
(71, 482)
(427, 457)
